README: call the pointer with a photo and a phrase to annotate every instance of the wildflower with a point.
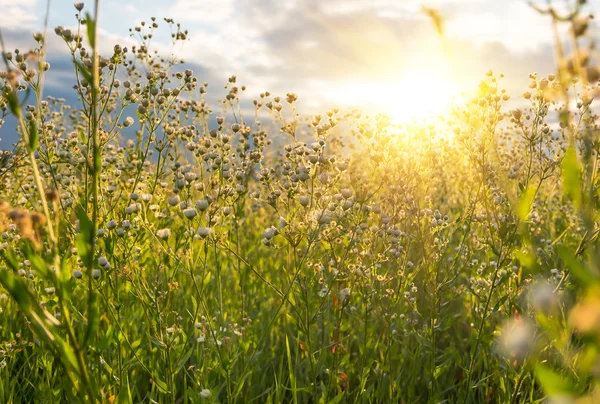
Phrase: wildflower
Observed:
(163, 234)
(205, 393)
(79, 6)
(346, 193)
(270, 232)
(173, 200)
(204, 231)
(111, 224)
(96, 273)
(344, 293)
(50, 291)
(324, 216)
(77, 274)
(190, 213)
(202, 204)
(516, 339)
(304, 200)
(128, 122)
(543, 298)
(282, 223)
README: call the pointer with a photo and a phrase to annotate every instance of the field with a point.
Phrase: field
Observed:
(155, 250)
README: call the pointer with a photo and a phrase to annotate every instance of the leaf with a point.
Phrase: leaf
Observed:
(571, 176)
(84, 71)
(13, 103)
(291, 370)
(500, 303)
(33, 135)
(525, 203)
(576, 268)
(184, 360)
(90, 23)
(159, 383)
(337, 398)
(84, 238)
(552, 382)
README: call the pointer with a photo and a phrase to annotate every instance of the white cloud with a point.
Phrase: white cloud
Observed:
(514, 24)
(17, 14)
(211, 11)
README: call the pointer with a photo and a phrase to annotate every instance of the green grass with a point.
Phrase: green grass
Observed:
(329, 259)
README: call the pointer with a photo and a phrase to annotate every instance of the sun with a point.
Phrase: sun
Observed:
(416, 94)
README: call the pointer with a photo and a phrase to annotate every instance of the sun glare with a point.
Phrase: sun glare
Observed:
(414, 95)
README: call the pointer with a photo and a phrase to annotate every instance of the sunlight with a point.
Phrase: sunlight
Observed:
(415, 95)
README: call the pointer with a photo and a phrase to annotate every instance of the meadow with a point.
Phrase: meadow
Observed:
(158, 249)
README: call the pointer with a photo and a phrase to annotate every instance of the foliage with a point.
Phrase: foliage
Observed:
(334, 258)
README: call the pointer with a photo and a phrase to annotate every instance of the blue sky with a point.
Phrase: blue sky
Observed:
(331, 53)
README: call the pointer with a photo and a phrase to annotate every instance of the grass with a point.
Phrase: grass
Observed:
(261, 256)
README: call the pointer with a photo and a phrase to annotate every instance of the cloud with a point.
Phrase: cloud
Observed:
(315, 48)
(516, 25)
(17, 14)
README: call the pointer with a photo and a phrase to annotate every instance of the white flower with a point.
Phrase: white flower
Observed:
(344, 293)
(111, 224)
(204, 231)
(77, 274)
(323, 217)
(173, 200)
(304, 200)
(163, 234)
(133, 208)
(102, 261)
(270, 232)
(202, 204)
(516, 339)
(190, 213)
(205, 393)
(96, 273)
(50, 291)
(128, 122)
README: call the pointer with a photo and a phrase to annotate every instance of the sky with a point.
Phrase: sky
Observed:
(372, 54)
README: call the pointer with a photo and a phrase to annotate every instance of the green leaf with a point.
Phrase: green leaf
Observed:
(90, 23)
(337, 398)
(13, 103)
(84, 71)
(576, 268)
(33, 135)
(525, 203)
(184, 359)
(159, 383)
(500, 303)
(552, 382)
(84, 238)
(571, 176)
